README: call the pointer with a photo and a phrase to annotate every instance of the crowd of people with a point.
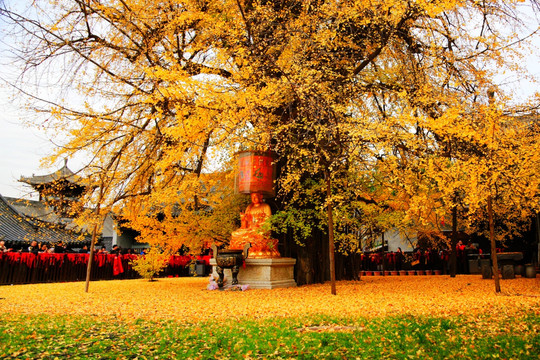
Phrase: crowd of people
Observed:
(61, 248)
(422, 259)
(44, 248)
(393, 260)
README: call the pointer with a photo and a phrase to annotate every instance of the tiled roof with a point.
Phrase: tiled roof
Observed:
(16, 227)
(38, 210)
(33, 208)
(63, 173)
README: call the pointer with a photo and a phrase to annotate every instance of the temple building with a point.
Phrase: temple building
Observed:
(59, 191)
(51, 218)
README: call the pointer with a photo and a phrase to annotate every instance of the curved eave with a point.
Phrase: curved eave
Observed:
(62, 174)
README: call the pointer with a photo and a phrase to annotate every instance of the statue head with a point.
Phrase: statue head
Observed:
(256, 198)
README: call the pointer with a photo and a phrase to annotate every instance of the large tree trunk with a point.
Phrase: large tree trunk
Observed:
(311, 259)
(305, 271)
(348, 267)
(312, 264)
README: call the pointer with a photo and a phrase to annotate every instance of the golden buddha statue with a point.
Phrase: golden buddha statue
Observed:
(262, 246)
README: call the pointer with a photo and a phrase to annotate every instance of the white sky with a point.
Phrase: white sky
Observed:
(22, 148)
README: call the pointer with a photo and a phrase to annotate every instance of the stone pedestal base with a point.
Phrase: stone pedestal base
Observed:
(263, 273)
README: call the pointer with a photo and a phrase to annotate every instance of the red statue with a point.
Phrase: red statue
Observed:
(262, 246)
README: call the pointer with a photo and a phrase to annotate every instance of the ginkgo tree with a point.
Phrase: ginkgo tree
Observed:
(483, 164)
(503, 181)
(172, 89)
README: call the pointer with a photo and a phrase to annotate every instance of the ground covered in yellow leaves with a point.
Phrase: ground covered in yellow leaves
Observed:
(188, 299)
(420, 317)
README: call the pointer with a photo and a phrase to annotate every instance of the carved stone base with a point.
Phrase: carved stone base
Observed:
(263, 273)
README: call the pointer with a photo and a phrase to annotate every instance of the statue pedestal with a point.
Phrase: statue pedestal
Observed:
(263, 273)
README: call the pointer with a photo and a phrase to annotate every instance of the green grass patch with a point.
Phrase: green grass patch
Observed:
(403, 337)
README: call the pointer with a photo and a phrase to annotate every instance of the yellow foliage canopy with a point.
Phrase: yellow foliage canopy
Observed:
(384, 89)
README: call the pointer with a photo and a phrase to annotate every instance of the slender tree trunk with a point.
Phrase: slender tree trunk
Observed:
(383, 255)
(493, 245)
(360, 264)
(491, 94)
(93, 243)
(330, 233)
(537, 239)
(453, 252)
(91, 257)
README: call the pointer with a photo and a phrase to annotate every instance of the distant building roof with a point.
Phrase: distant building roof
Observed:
(33, 208)
(64, 173)
(40, 211)
(16, 227)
